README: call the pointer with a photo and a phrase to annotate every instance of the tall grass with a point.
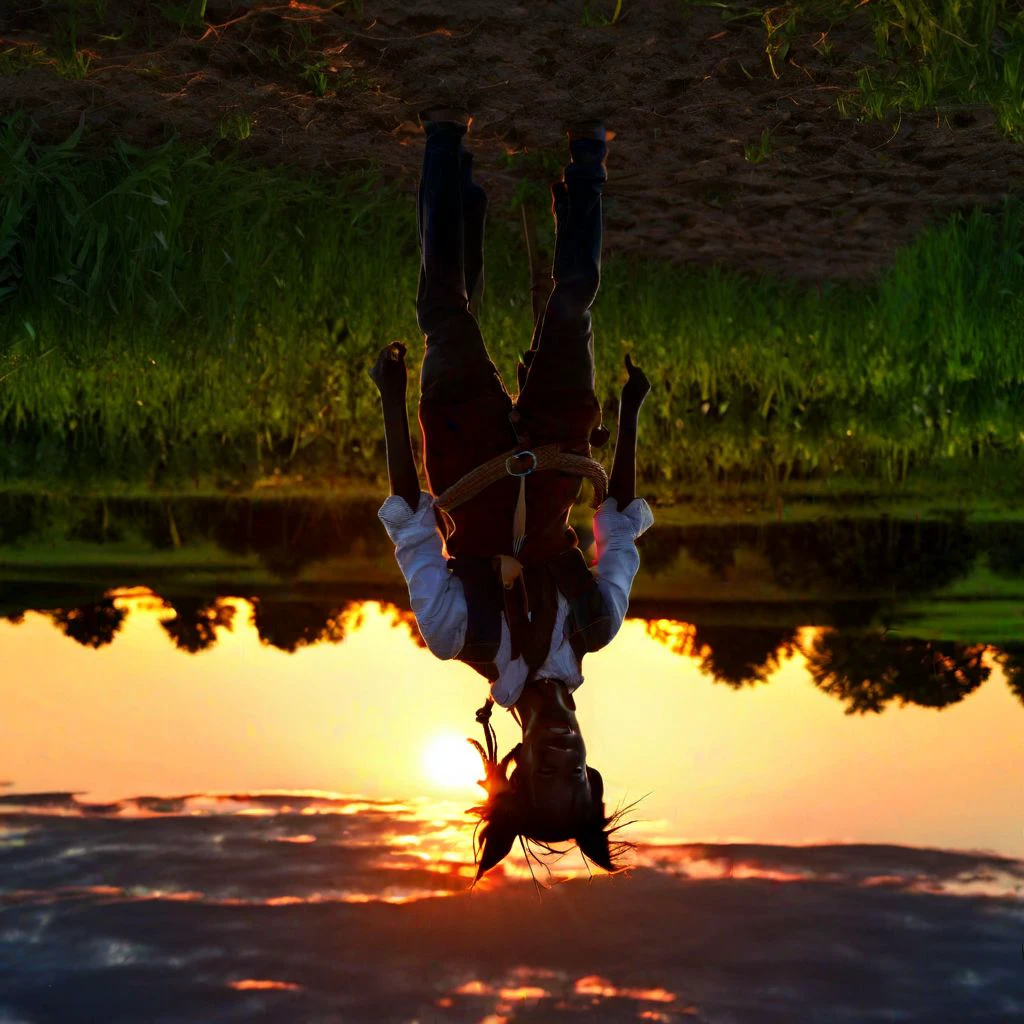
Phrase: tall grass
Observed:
(167, 316)
(947, 53)
(928, 54)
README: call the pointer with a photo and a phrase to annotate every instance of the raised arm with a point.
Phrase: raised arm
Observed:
(389, 374)
(622, 518)
(622, 482)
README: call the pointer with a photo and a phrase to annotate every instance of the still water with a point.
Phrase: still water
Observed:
(374, 713)
(266, 821)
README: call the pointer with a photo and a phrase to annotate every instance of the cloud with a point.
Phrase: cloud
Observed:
(206, 899)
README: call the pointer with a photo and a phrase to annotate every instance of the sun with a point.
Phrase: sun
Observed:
(451, 763)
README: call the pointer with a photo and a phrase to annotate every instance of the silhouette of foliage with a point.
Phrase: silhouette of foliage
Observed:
(742, 656)
(93, 625)
(868, 672)
(196, 621)
(289, 625)
(406, 617)
(871, 556)
(676, 636)
(734, 655)
(1011, 660)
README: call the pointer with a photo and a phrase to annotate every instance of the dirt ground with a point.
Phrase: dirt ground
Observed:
(684, 92)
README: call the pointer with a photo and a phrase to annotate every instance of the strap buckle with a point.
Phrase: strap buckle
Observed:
(520, 455)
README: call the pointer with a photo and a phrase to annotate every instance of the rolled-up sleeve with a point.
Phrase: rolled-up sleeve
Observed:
(618, 560)
(437, 598)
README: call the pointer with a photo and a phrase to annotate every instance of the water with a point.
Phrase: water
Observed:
(236, 808)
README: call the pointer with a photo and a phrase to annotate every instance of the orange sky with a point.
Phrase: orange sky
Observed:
(779, 762)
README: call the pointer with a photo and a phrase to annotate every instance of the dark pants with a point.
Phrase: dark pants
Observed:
(450, 218)
(464, 406)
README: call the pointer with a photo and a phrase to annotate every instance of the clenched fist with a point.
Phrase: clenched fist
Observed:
(636, 388)
(389, 373)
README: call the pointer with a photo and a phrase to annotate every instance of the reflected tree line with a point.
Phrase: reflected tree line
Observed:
(860, 571)
(870, 557)
(873, 557)
(195, 624)
(286, 535)
(866, 671)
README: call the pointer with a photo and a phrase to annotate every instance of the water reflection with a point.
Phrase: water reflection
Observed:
(125, 873)
(873, 555)
(730, 655)
(865, 670)
(196, 622)
(308, 905)
(747, 738)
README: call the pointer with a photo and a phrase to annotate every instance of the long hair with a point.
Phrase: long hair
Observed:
(507, 814)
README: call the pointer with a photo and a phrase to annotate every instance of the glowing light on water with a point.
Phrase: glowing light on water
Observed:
(264, 985)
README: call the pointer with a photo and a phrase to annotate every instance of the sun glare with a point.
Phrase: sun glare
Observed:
(450, 762)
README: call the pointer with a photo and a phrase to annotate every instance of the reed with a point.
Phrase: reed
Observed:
(168, 317)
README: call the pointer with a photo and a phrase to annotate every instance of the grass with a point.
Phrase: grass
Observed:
(166, 317)
(235, 126)
(760, 151)
(941, 55)
(589, 16)
(188, 15)
(949, 53)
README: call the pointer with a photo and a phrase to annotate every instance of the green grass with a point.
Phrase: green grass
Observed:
(941, 55)
(760, 151)
(600, 12)
(946, 53)
(190, 14)
(166, 316)
(235, 126)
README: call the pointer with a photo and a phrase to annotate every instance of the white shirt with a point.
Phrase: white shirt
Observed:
(439, 602)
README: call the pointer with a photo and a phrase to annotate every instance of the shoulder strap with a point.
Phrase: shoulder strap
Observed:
(589, 622)
(484, 603)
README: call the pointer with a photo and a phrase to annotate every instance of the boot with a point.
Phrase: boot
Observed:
(433, 119)
(588, 142)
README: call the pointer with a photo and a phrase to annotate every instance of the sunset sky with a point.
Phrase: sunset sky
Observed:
(779, 762)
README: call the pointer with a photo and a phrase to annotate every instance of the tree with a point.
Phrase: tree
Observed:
(196, 621)
(868, 672)
(734, 655)
(93, 625)
(1011, 659)
(405, 617)
(289, 625)
(742, 655)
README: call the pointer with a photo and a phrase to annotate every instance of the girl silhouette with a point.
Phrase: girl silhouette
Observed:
(495, 574)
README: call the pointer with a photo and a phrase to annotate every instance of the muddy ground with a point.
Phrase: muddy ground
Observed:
(685, 92)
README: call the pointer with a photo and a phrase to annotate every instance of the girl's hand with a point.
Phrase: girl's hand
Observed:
(636, 388)
(389, 373)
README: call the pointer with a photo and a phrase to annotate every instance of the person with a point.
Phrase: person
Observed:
(495, 573)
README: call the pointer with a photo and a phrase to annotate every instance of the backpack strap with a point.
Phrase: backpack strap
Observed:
(484, 604)
(588, 624)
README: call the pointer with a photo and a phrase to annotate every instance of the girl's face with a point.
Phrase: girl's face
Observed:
(552, 763)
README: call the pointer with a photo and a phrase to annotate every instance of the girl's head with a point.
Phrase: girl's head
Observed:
(552, 795)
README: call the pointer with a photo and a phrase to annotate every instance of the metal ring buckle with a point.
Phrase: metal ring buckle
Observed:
(519, 455)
